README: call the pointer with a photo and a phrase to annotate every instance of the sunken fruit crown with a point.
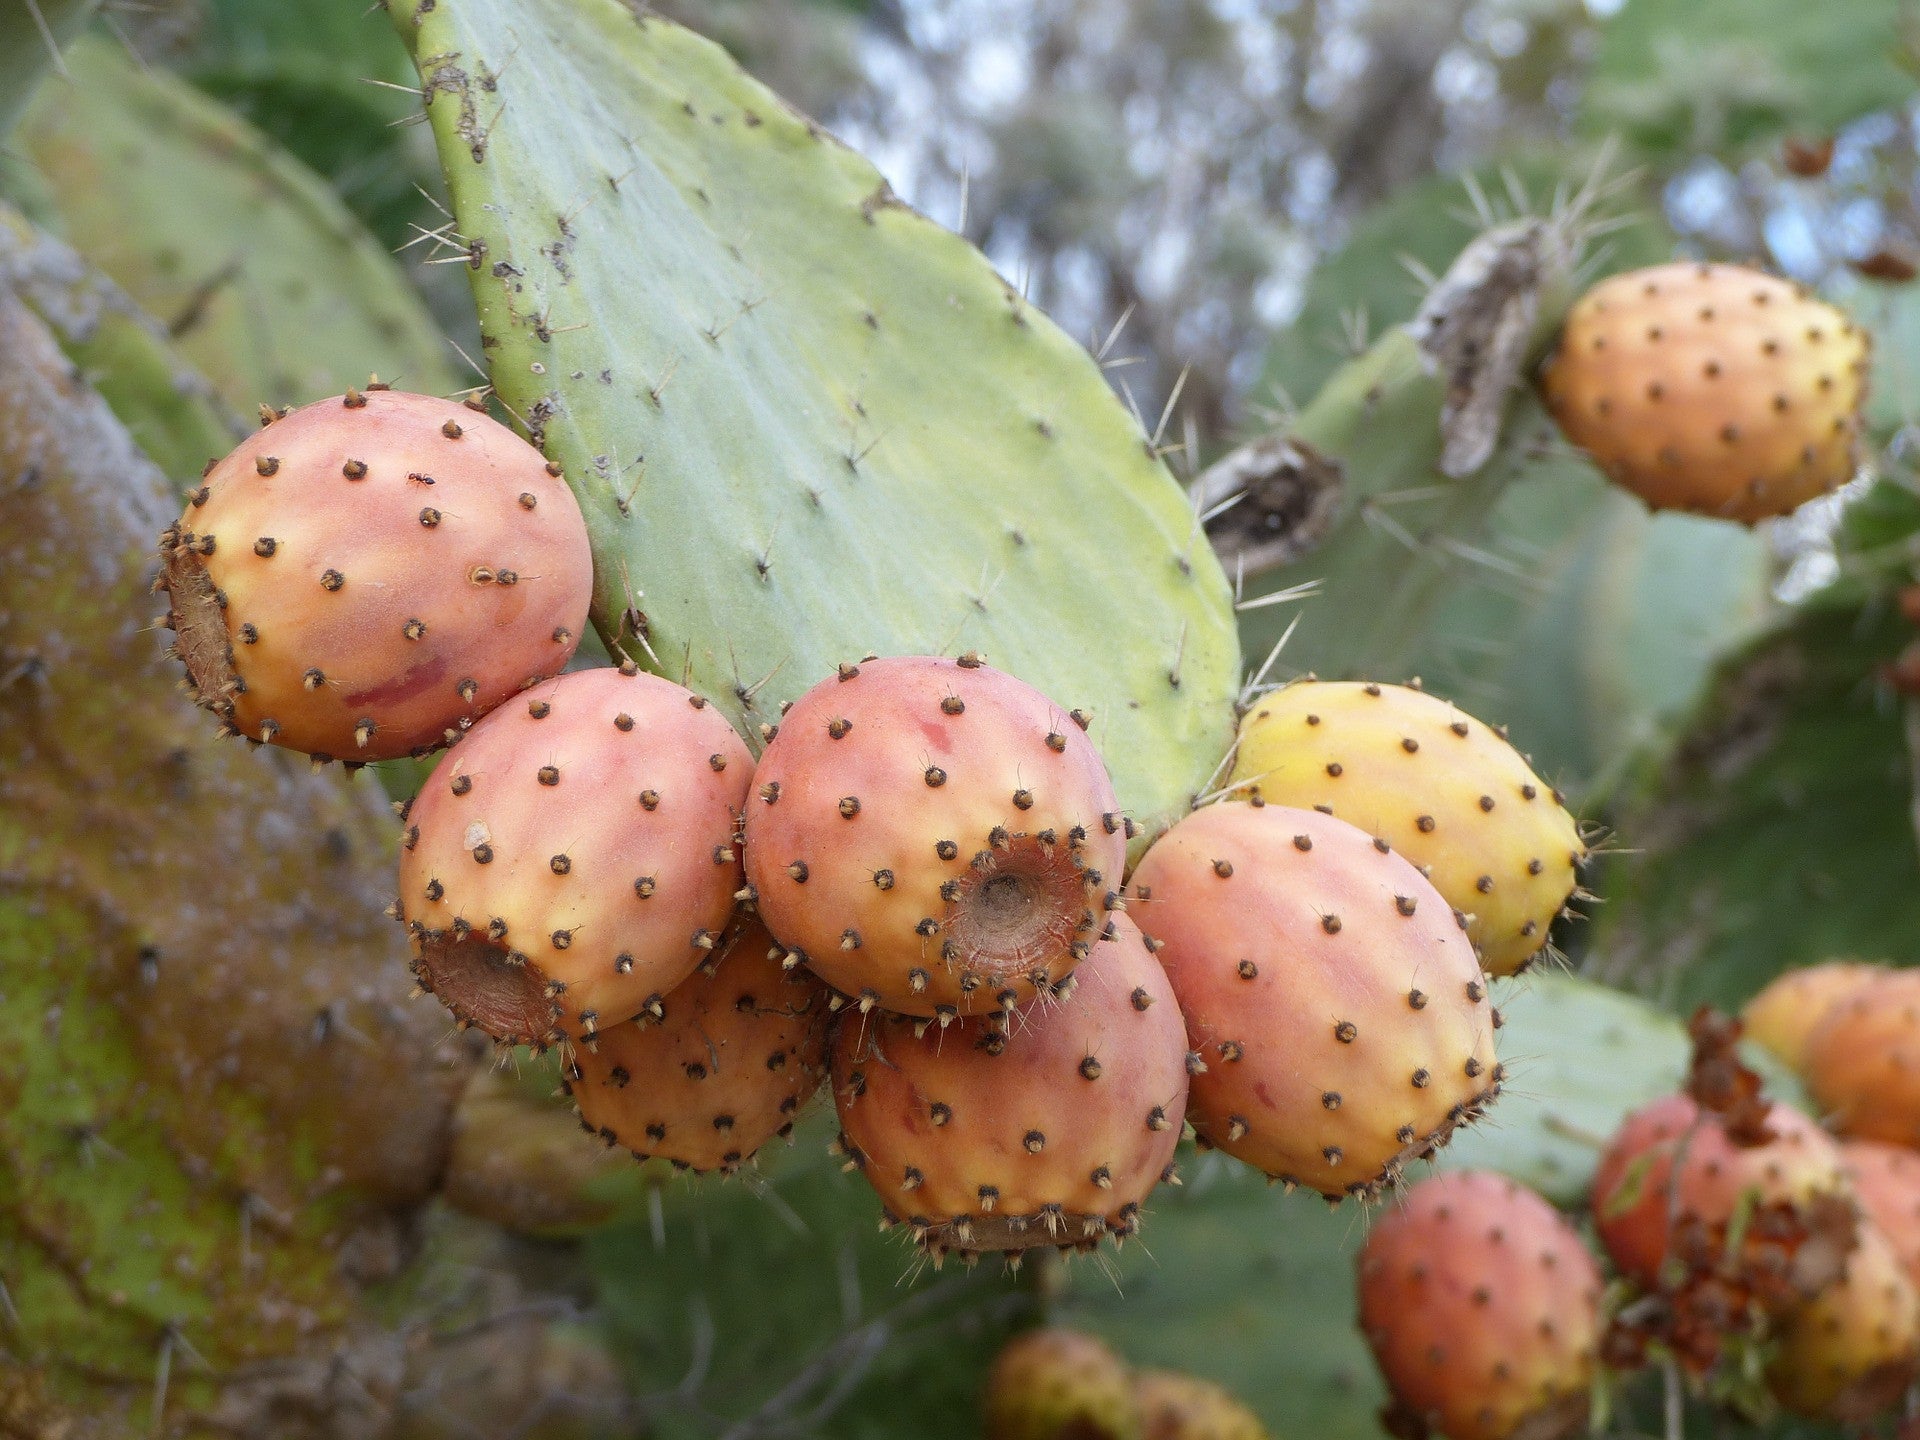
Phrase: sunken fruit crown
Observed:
(368, 575)
(1046, 1126)
(1482, 1307)
(735, 1051)
(1329, 989)
(572, 859)
(934, 837)
(1445, 790)
(1712, 388)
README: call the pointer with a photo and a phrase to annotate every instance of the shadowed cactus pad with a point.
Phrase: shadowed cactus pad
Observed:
(367, 576)
(804, 421)
(738, 1048)
(1333, 997)
(1048, 1126)
(572, 859)
(1712, 388)
(934, 836)
(1445, 790)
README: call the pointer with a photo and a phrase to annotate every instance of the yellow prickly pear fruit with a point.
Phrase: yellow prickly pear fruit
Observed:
(1059, 1384)
(1851, 1353)
(1174, 1406)
(1784, 1014)
(1445, 790)
(1711, 388)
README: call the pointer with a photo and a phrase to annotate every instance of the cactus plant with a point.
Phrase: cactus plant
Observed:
(782, 392)
(133, 1007)
(295, 300)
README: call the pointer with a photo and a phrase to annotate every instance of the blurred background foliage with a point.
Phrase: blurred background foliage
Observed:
(1229, 200)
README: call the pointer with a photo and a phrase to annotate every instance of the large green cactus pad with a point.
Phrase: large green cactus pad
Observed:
(803, 420)
(270, 287)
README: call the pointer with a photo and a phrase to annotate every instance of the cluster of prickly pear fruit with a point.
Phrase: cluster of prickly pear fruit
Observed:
(1746, 1231)
(1060, 1384)
(1712, 388)
(367, 576)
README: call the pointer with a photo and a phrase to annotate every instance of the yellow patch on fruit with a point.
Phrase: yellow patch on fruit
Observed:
(1444, 789)
(1711, 388)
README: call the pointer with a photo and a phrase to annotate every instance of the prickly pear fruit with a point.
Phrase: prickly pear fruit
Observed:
(1784, 1014)
(738, 1049)
(1443, 789)
(1329, 989)
(1047, 1126)
(1482, 1307)
(1059, 1384)
(1862, 1061)
(1886, 1181)
(1852, 1351)
(1174, 1406)
(1712, 388)
(933, 836)
(370, 574)
(572, 859)
(1789, 1197)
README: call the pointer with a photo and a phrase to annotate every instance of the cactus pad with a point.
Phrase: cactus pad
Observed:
(804, 421)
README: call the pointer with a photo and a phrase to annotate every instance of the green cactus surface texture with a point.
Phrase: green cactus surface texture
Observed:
(805, 422)
(265, 280)
(168, 408)
(214, 1104)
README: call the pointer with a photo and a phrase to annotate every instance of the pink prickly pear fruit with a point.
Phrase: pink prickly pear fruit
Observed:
(1886, 1179)
(1445, 790)
(573, 859)
(1851, 1352)
(1789, 1195)
(1174, 1406)
(1330, 991)
(367, 576)
(1482, 1308)
(1783, 1015)
(1048, 1126)
(739, 1047)
(1059, 1384)
(1862, 1061)
(934, 837)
